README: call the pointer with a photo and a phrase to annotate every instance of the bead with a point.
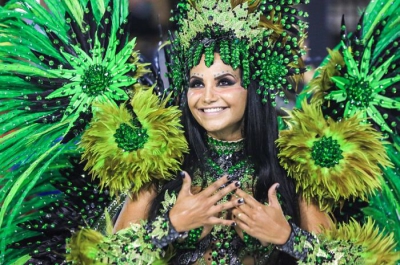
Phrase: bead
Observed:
(130, 138)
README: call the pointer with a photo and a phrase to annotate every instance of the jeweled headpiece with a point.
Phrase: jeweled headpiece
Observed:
(261, 37)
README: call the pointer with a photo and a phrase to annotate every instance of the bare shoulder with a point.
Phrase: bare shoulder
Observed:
(312, 218)
(135, 209)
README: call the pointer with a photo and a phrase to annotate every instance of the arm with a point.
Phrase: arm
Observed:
(312, 219)
(135, 209)
(348, 244)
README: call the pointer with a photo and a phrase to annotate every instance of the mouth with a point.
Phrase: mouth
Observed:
(212, 110)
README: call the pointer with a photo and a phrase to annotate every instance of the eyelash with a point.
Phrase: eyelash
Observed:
(226, 81)
(195, 84)
(222, 82)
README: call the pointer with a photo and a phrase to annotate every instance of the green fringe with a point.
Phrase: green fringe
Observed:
(377, 248)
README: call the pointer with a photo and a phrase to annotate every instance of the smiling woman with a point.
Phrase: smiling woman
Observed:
(217, 99)
(243, 192)
(234, 203)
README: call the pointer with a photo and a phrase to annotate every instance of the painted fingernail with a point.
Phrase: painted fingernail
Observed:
(240, 201)
(277, 186)
(229, 177)
(182, 174)
(233, 224)
(237, 184)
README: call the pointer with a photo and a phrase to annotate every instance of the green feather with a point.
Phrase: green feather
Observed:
(22, 260)
(38, 72)
(385, 205)
(76, 11)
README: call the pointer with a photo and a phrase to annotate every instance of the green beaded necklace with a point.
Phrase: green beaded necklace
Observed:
(225, 147)
(227, 158)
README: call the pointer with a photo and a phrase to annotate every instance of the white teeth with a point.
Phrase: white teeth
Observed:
(212, 110)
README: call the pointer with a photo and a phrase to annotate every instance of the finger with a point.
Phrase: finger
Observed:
(249, 200)
(225, 206)
(220, 221)
(210, 190)
(187, 183)
(272, 196)
(242, 220)
(223, 192)
(235, 212)
(240, 216)
(246, 209)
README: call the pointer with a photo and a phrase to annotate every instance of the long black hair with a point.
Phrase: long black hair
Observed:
(260, 133)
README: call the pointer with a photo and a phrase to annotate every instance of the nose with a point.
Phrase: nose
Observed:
(209, 95)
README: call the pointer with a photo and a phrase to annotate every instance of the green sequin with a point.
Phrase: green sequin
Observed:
(224, 147)
(326, 152)
(359, 92)
(95, 80)
(129, 138)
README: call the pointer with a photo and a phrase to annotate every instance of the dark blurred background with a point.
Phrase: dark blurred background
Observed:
(325, 18)
(151, 17)
(324, 23)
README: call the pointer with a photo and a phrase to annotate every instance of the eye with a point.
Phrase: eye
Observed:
(226, 82)
(196, 84)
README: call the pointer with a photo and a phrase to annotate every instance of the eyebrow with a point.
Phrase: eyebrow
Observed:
(215, 77)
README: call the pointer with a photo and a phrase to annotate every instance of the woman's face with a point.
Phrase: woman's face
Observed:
(217, 100)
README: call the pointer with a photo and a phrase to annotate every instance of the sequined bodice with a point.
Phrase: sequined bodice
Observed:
(222, 245)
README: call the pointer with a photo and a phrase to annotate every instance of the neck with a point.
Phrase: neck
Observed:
(224, 147)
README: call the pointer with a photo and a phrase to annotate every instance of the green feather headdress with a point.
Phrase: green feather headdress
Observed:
(262, 38)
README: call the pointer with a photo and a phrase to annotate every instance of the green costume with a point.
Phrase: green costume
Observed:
(70, 92)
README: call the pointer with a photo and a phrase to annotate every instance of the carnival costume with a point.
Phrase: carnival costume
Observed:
(82, 128)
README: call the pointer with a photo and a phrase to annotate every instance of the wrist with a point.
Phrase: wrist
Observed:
(164, 231)
(298, 244)
(182, 233)
(286, 232)
(174, 222)
(283, 236)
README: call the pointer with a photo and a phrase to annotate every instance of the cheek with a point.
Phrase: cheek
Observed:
(192, 98)
(190, 93)
(238, 100)
(243, 100)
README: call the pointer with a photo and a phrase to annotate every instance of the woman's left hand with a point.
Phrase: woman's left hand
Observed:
(266, 223)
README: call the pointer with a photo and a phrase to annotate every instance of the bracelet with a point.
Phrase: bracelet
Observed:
(299, 243)
(168, 233)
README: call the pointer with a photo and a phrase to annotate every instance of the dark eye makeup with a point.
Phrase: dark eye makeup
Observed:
(222, 81)
(226, 82)
(195, 83)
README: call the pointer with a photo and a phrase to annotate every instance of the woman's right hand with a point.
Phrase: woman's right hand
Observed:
(197, 210)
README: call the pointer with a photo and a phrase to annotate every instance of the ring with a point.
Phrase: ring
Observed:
(239, 215)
